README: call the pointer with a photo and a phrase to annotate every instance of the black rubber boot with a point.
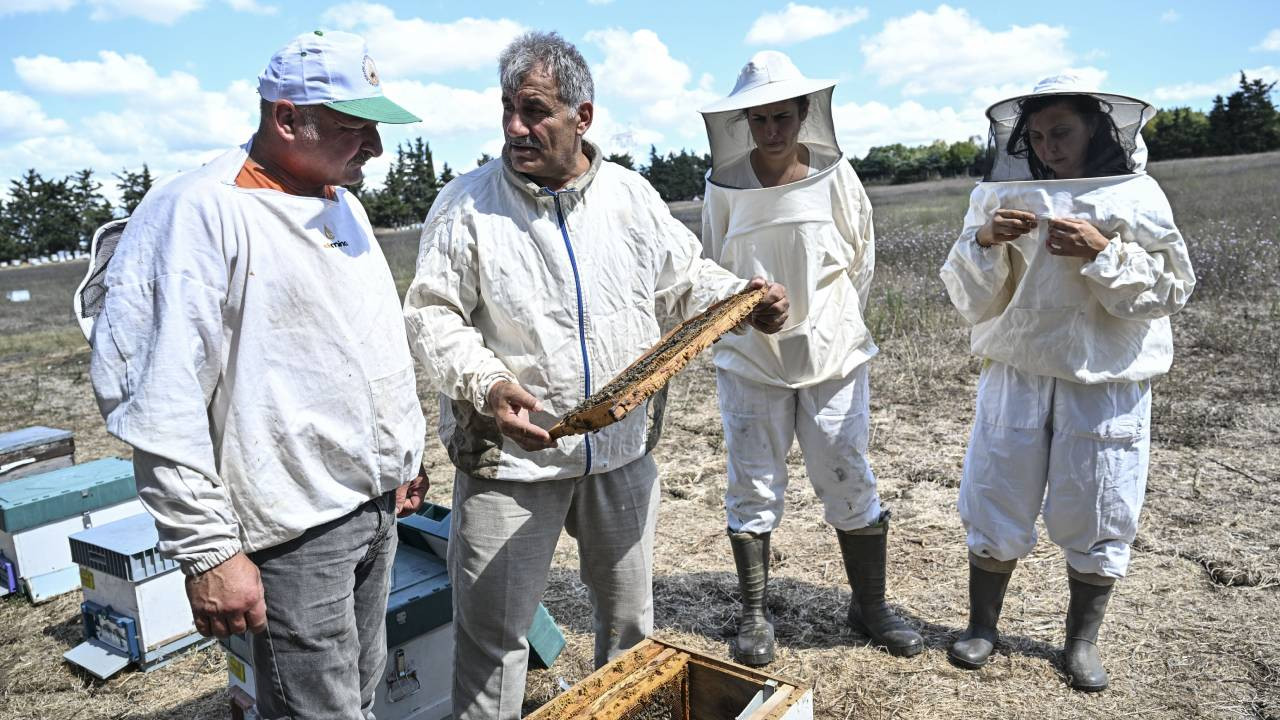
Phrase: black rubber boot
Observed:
(986, 598)
(1080, 656)
(754, 643)
(865, 554)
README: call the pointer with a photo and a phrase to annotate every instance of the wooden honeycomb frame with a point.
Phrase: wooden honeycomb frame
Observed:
(646, 376)
(709, 689)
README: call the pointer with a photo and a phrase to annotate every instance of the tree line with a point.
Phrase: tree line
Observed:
(45, 216)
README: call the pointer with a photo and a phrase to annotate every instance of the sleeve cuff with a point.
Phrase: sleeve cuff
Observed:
(1107, 262)
(207, 561)
(485, 384)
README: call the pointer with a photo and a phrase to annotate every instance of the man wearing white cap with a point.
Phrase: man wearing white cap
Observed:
(251, 350)
(540, 278)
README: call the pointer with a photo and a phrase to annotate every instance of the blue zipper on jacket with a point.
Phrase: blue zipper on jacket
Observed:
(582, 326)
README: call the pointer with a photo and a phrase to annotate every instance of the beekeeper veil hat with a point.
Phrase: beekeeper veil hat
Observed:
(768, 77)
(1115, 148)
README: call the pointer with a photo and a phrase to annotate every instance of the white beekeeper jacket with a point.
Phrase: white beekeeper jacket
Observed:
(252, 350)
(1104, 320)
(814, 235)
(558, 291)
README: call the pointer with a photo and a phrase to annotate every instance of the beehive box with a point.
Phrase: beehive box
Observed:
(135, 607)
(656, 680)
(35, 450)
(39, 512)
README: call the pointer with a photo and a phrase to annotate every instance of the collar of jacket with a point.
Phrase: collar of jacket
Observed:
(577, 186)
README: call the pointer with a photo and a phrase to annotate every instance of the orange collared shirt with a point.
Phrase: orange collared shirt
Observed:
(254, 176)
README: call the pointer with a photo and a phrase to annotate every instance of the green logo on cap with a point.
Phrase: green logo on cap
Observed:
(320, 33)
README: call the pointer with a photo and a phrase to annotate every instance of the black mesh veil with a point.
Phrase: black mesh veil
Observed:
(1125, 116)
(730, 136)
(92, 292)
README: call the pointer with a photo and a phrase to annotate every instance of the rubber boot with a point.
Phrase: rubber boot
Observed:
(754, 643)
(1080, 656)
(864, 553)
(986, 598)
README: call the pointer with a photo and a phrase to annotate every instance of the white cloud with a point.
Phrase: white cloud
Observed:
(1170, 16)
(413, 46)
(1224, 86)
(949, 51)
(798, 23)
(447, 110)
(22, 117)
(164, 12)
(167, 121)
(253, 7)
(639, 70)
(112, 73)
(15, 7)
(1271, 42)
(860, 127)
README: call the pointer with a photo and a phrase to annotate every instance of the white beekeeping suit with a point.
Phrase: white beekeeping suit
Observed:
(1070, 344)
(814, 235)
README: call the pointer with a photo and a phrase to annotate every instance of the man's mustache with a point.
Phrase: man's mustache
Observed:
(527, 141)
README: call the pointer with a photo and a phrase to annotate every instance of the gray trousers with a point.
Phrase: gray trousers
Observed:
(503, 537)
(325, 647)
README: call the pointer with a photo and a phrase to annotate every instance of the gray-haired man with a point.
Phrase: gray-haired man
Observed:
(539, 278)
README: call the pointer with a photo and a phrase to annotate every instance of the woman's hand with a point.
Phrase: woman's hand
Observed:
(1006, 225)
(1074, 237)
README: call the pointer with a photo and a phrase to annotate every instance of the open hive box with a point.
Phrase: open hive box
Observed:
(656, 680)
(652, 370)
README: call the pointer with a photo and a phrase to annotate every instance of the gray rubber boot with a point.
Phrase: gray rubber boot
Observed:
(865, 553)
(986, 598)
(754, 643)
(1080, 656)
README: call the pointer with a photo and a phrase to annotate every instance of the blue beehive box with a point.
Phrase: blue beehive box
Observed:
(39, 512)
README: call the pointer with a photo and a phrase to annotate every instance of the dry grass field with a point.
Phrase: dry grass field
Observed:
(1194, 632)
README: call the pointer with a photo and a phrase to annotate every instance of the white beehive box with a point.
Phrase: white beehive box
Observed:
(135, 607)
(39, 512)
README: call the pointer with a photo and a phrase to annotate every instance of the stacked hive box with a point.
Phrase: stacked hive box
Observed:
(135, 605)
(39, 512)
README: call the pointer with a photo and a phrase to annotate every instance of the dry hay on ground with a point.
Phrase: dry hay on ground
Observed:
(1194, 632)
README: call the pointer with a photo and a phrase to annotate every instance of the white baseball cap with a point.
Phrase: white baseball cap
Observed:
(331, 69)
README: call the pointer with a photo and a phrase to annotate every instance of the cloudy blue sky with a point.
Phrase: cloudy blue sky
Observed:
(110, 84)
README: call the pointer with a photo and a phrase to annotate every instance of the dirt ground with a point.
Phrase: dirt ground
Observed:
(1193, 632)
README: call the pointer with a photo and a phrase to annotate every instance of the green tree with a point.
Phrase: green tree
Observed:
(1245, 121)
(1177, 133)
(623, 159)
(446, 175)
(133, 187)
(421, 184)
(484, 158)
(677, 177)
(93, 209)
(40, 218)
